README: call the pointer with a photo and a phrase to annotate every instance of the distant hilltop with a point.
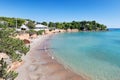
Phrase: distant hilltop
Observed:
(80, 25)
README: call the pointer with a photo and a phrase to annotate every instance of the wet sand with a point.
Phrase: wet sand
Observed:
(40, 65)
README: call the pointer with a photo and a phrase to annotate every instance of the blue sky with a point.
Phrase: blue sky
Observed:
(103, 11)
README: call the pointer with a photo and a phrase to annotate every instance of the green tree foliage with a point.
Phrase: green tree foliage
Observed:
(44, 23)
(3, 67)
(4, 74)
(51, 24)
(59, 25)
(3, 24)
(31, 24)
(11, 45)
(4, 33)
(11, 22)
(31, 32)
(14, 48)
(11, 75)
(83, 25)
(20, 22)
(40, 32)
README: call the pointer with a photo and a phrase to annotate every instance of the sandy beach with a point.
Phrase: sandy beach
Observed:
(40, 65)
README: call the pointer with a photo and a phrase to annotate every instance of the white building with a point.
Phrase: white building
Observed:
(40, 27)
(23, 27)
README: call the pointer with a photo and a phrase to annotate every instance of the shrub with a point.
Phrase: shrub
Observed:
(40, 32)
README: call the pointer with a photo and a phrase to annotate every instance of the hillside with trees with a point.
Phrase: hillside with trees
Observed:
(81, 25)
(11, 22)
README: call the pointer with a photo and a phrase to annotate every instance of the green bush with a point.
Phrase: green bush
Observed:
(14, 48)
(40, 32)
(11, 75)
(31, 31)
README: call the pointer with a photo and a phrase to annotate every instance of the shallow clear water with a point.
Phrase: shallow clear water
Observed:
(94, 54)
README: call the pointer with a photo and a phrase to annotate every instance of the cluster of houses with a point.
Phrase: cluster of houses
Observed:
(37, 27)
(24, 27)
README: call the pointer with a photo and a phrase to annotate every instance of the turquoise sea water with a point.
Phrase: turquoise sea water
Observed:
(94, 54)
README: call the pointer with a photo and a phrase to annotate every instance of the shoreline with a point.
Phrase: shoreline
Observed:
(40, 64)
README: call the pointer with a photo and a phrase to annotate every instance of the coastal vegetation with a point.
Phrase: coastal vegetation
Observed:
(14, 48)
(11, 22)
(30, 25)
(4, 74)
(81, 25)
(31, 32)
